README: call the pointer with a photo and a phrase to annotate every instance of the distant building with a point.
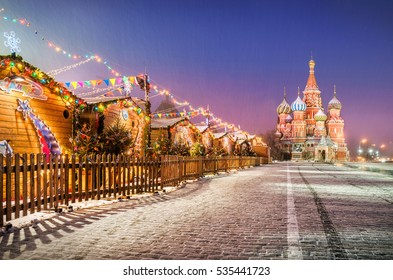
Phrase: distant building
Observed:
(305, 132)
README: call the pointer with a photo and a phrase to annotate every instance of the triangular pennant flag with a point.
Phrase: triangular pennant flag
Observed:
(87, 83)
(68, 84)
(74, 84)
(112, 81)
(133, 80)
(160, 115)
(99, 82)
(93, 82)
(125, 79)
(80, 84)
(119, 81)
(106, 82)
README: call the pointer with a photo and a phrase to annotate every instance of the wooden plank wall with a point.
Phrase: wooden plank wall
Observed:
(23, 135)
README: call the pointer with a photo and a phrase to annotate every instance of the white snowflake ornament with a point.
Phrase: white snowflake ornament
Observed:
(127, 88)
(12, 42)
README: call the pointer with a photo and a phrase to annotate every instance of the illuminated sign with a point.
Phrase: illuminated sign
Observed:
(18, 84)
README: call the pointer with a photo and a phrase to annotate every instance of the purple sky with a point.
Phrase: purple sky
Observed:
(235, 56)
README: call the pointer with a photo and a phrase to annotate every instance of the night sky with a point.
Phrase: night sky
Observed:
(235, 56)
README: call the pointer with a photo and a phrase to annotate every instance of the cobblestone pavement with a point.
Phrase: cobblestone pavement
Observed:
(278, 211)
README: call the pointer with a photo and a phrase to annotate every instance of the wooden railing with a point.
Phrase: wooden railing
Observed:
(32, 183)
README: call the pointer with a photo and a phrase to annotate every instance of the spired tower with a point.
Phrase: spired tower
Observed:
(298, 127)
(335, 127)
(320, 128)
(283, 111)
(312, 98)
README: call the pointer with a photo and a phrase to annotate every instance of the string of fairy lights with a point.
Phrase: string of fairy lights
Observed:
(118, 83)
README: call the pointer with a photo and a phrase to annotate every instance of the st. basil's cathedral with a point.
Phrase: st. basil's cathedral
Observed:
(305, 131)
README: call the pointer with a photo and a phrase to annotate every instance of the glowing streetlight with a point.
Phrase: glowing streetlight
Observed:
(364, 140)
(383, 146)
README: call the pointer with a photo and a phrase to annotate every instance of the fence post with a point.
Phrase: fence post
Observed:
(32, 185)
(8, 187)
(17, 186)
(99, 176)
(39, 200)
(80, 179)
(73, 178)
(103, 182)
(137, 181)
(133, 164)
(44, 181)
(61, 184)
(110, 175)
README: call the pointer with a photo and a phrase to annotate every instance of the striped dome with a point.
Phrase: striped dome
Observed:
(298, 105)
(334, 104)
(320, 116)
(284, 107)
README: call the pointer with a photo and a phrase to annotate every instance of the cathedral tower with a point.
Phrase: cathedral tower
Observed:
(312, 98)
(298, 127)
(335, 126)
(283, 111)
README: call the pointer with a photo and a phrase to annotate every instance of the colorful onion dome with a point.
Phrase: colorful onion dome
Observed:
(284, 107)
(298, 104)
(334, 103)
(288, 119)
(320, 116)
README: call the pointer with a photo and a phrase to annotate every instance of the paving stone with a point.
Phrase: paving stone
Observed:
(341, 213)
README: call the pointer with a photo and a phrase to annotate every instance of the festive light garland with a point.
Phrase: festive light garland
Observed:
(42, 78)
(172, 115)
(53, 73)
(59, 49)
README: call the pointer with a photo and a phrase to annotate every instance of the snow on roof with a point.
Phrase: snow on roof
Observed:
(202, 128)
(164, 122)
(219, 135)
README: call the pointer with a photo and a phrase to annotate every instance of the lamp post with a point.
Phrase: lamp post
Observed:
(143, 82)
(148, 112)
(362, 150)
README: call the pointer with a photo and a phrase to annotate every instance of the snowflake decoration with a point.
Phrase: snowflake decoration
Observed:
(127, 88)
(24, 107)
(12, 42)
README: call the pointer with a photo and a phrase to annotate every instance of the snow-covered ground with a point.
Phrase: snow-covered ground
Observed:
(32, 219)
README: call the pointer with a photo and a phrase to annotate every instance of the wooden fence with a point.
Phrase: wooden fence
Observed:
(32, 183)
